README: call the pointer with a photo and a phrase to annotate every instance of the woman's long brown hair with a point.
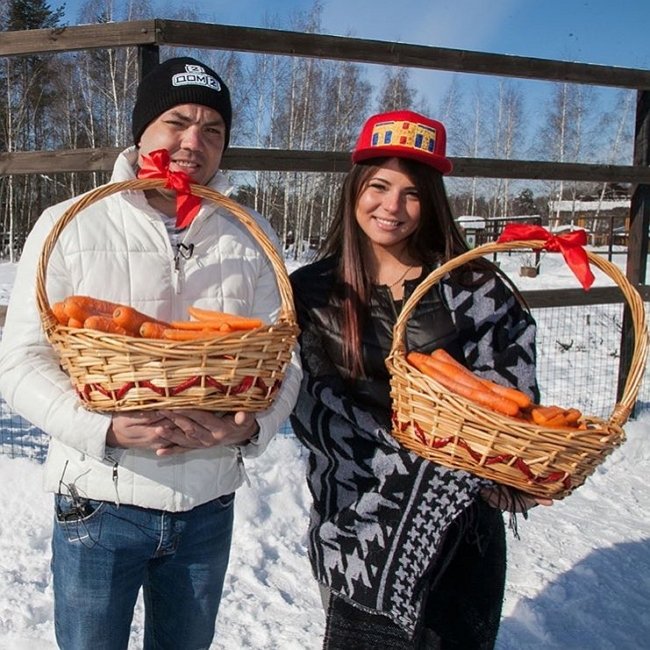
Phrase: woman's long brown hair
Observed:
(436, 239)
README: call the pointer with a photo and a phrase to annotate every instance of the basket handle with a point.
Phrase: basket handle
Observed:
(287, 312)
(624, 407)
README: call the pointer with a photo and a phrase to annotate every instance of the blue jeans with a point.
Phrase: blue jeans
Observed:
(102, 554)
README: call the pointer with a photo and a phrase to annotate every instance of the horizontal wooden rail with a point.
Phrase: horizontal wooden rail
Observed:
(239, 159)
(250, 39)
(80, 37)
(567, 297)
(186, 34)
(58, 161)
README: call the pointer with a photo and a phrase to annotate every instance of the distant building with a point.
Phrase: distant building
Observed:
(467, 222)
(472, 227)
(478, 230)
(604, 217)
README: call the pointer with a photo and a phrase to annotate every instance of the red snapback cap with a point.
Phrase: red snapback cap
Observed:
(403, 134)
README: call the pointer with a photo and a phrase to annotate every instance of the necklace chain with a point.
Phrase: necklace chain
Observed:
(401, 277)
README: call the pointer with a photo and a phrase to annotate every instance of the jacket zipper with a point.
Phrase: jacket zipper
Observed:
(178, 272)
(391, 302)
(240, 464)
(114, 475)
(183, 253)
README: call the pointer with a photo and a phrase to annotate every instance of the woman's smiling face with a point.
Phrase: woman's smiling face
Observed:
(388, 208)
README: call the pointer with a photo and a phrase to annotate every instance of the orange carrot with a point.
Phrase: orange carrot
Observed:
(572, 416)
(482, 396)
(555, 416)
(542, 414)
(58, 309)
(104, 324)
(235, 321)
(467, 379)
(521, 399)
(152, 330)
(81, 307)
(558, 421)
(419, 360)
(207, 314)
(242, 323)
(443, 355)
(131, 319)
(201, 325)
(75, 310)
(188, 335)
(548, 416)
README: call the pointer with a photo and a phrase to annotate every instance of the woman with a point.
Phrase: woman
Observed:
(408, 554)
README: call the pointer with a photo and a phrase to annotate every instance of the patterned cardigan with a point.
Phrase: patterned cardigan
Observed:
(379, 511)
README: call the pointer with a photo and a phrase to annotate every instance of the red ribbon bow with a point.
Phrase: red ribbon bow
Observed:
(570, 244)
(156, 165)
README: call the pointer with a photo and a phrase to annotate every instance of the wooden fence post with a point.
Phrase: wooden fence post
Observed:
(637, 250)
(148, 58)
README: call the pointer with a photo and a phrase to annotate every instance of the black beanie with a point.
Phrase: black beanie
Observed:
(179, 81)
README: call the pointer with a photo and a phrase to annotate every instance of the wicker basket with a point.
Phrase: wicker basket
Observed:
(240, 371)
(448, 429)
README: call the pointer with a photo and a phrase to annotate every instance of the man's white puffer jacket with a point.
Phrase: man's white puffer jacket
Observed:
(118, 249)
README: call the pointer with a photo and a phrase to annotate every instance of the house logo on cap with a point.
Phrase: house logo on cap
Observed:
(195, 75)
(403, 134)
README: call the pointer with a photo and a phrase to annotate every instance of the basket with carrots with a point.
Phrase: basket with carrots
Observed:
(447, 414)
(121, 359)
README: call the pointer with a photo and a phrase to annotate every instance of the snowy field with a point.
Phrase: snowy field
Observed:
(578, 577)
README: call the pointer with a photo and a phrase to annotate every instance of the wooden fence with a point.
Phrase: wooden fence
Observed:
(149, 35)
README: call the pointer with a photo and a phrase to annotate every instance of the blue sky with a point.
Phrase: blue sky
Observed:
(589, 31)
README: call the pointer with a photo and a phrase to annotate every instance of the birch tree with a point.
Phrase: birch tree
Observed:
(28, 93)
(350, 93)
(476, 141)
(396, 91)
(108, 77)
(565, 135)
(463, 137)
(266, 77)
(505, 135)
(621, 137)
(297, 125)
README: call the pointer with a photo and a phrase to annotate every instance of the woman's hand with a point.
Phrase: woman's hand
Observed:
(511, 500)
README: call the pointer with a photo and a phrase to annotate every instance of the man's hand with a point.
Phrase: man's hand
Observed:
(210, 429)
(148, 430)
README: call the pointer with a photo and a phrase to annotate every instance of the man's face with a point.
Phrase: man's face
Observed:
(194, 136)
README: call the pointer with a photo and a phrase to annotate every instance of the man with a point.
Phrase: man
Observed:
(145, 499)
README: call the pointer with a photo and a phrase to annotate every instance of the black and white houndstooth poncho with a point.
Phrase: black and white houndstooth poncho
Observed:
(380, 511)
